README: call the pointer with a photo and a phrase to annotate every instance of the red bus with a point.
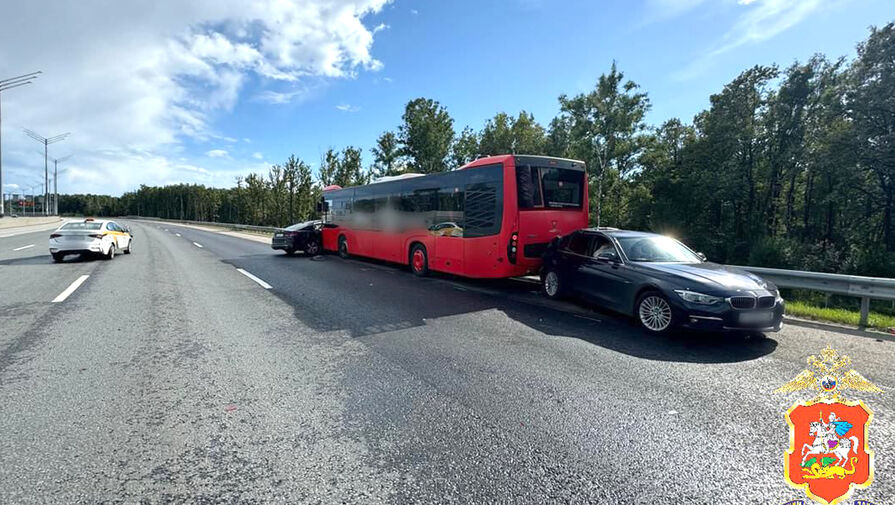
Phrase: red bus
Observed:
(488, 219)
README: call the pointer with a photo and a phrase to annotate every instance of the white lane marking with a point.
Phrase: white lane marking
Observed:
(23, 247)
(177, 234)
(71, 289)
(197, 245)
(259, 281)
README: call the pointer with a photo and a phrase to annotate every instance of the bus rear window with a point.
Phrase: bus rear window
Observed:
(547, 187)
(562, 188)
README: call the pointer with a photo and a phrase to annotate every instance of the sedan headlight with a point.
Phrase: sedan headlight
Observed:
(694, 297)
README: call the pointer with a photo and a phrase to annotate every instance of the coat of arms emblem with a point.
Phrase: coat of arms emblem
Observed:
(829, 453)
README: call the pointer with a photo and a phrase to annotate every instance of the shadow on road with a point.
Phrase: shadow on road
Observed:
(43, 259)
(365, 297)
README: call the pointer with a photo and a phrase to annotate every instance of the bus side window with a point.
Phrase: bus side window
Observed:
(450, 205)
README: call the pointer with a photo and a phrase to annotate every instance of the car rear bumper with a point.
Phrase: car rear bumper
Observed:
(282, 243)
(296, 243)
(76, 251)
(75, 247)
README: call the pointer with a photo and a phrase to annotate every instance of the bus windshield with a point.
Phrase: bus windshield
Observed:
(549, 187)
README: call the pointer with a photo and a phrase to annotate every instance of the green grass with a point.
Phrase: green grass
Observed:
(843, 316)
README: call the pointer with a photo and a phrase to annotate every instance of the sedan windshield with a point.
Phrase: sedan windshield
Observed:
(657, 249)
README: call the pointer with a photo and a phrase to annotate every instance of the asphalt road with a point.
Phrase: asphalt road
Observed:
(169, 375)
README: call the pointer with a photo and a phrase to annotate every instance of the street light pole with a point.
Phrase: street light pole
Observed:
(32, 198)
(46, 142)
(56, 162)
(5, 84)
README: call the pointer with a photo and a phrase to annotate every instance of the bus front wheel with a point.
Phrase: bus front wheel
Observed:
(419, 260)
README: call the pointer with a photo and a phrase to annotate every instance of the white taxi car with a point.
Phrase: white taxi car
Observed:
(90, 236)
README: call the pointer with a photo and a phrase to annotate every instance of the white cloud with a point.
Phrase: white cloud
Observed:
(345, 107)
(760, 20)
(278, 97)
(258, 156)
(765, 19)
(663, 9)
(216, 153)
(134, 93)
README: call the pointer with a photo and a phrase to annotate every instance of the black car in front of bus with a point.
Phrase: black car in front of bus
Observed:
(659, 281)
(299, 237)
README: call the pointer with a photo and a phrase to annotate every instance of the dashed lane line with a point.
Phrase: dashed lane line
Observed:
(71, 289)
(259, 281)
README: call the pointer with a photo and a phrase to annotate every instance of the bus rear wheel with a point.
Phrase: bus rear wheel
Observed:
(419, 260)
(343, 247)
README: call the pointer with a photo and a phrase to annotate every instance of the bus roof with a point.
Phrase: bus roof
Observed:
(517, 159)
(525, 159)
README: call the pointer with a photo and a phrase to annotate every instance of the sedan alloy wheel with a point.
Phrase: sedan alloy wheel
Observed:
(654, 312)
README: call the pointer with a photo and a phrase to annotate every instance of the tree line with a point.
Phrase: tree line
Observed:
(788, 167)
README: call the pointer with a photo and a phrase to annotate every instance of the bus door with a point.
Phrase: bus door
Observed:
(448, 228)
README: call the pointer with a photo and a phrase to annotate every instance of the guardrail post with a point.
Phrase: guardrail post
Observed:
(865, 312)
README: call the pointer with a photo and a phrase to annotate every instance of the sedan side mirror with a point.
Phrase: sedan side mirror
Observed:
(608, 256)
(702, 256)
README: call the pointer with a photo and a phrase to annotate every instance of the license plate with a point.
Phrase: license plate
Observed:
(277, 234)
(756, 317)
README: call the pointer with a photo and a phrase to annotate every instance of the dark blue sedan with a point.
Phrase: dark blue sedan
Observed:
(659, 281)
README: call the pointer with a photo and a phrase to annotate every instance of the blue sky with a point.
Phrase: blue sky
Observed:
(344, 78)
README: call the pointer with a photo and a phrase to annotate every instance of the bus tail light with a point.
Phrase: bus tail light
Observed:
(513, 247)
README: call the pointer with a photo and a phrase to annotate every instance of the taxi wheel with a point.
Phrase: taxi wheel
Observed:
(130, 244)
(111, 254)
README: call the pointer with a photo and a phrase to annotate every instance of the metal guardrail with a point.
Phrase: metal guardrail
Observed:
(249, 227)
(865, 288)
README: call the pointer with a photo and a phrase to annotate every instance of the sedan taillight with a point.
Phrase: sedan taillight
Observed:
(96, 235)
(55, 235)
